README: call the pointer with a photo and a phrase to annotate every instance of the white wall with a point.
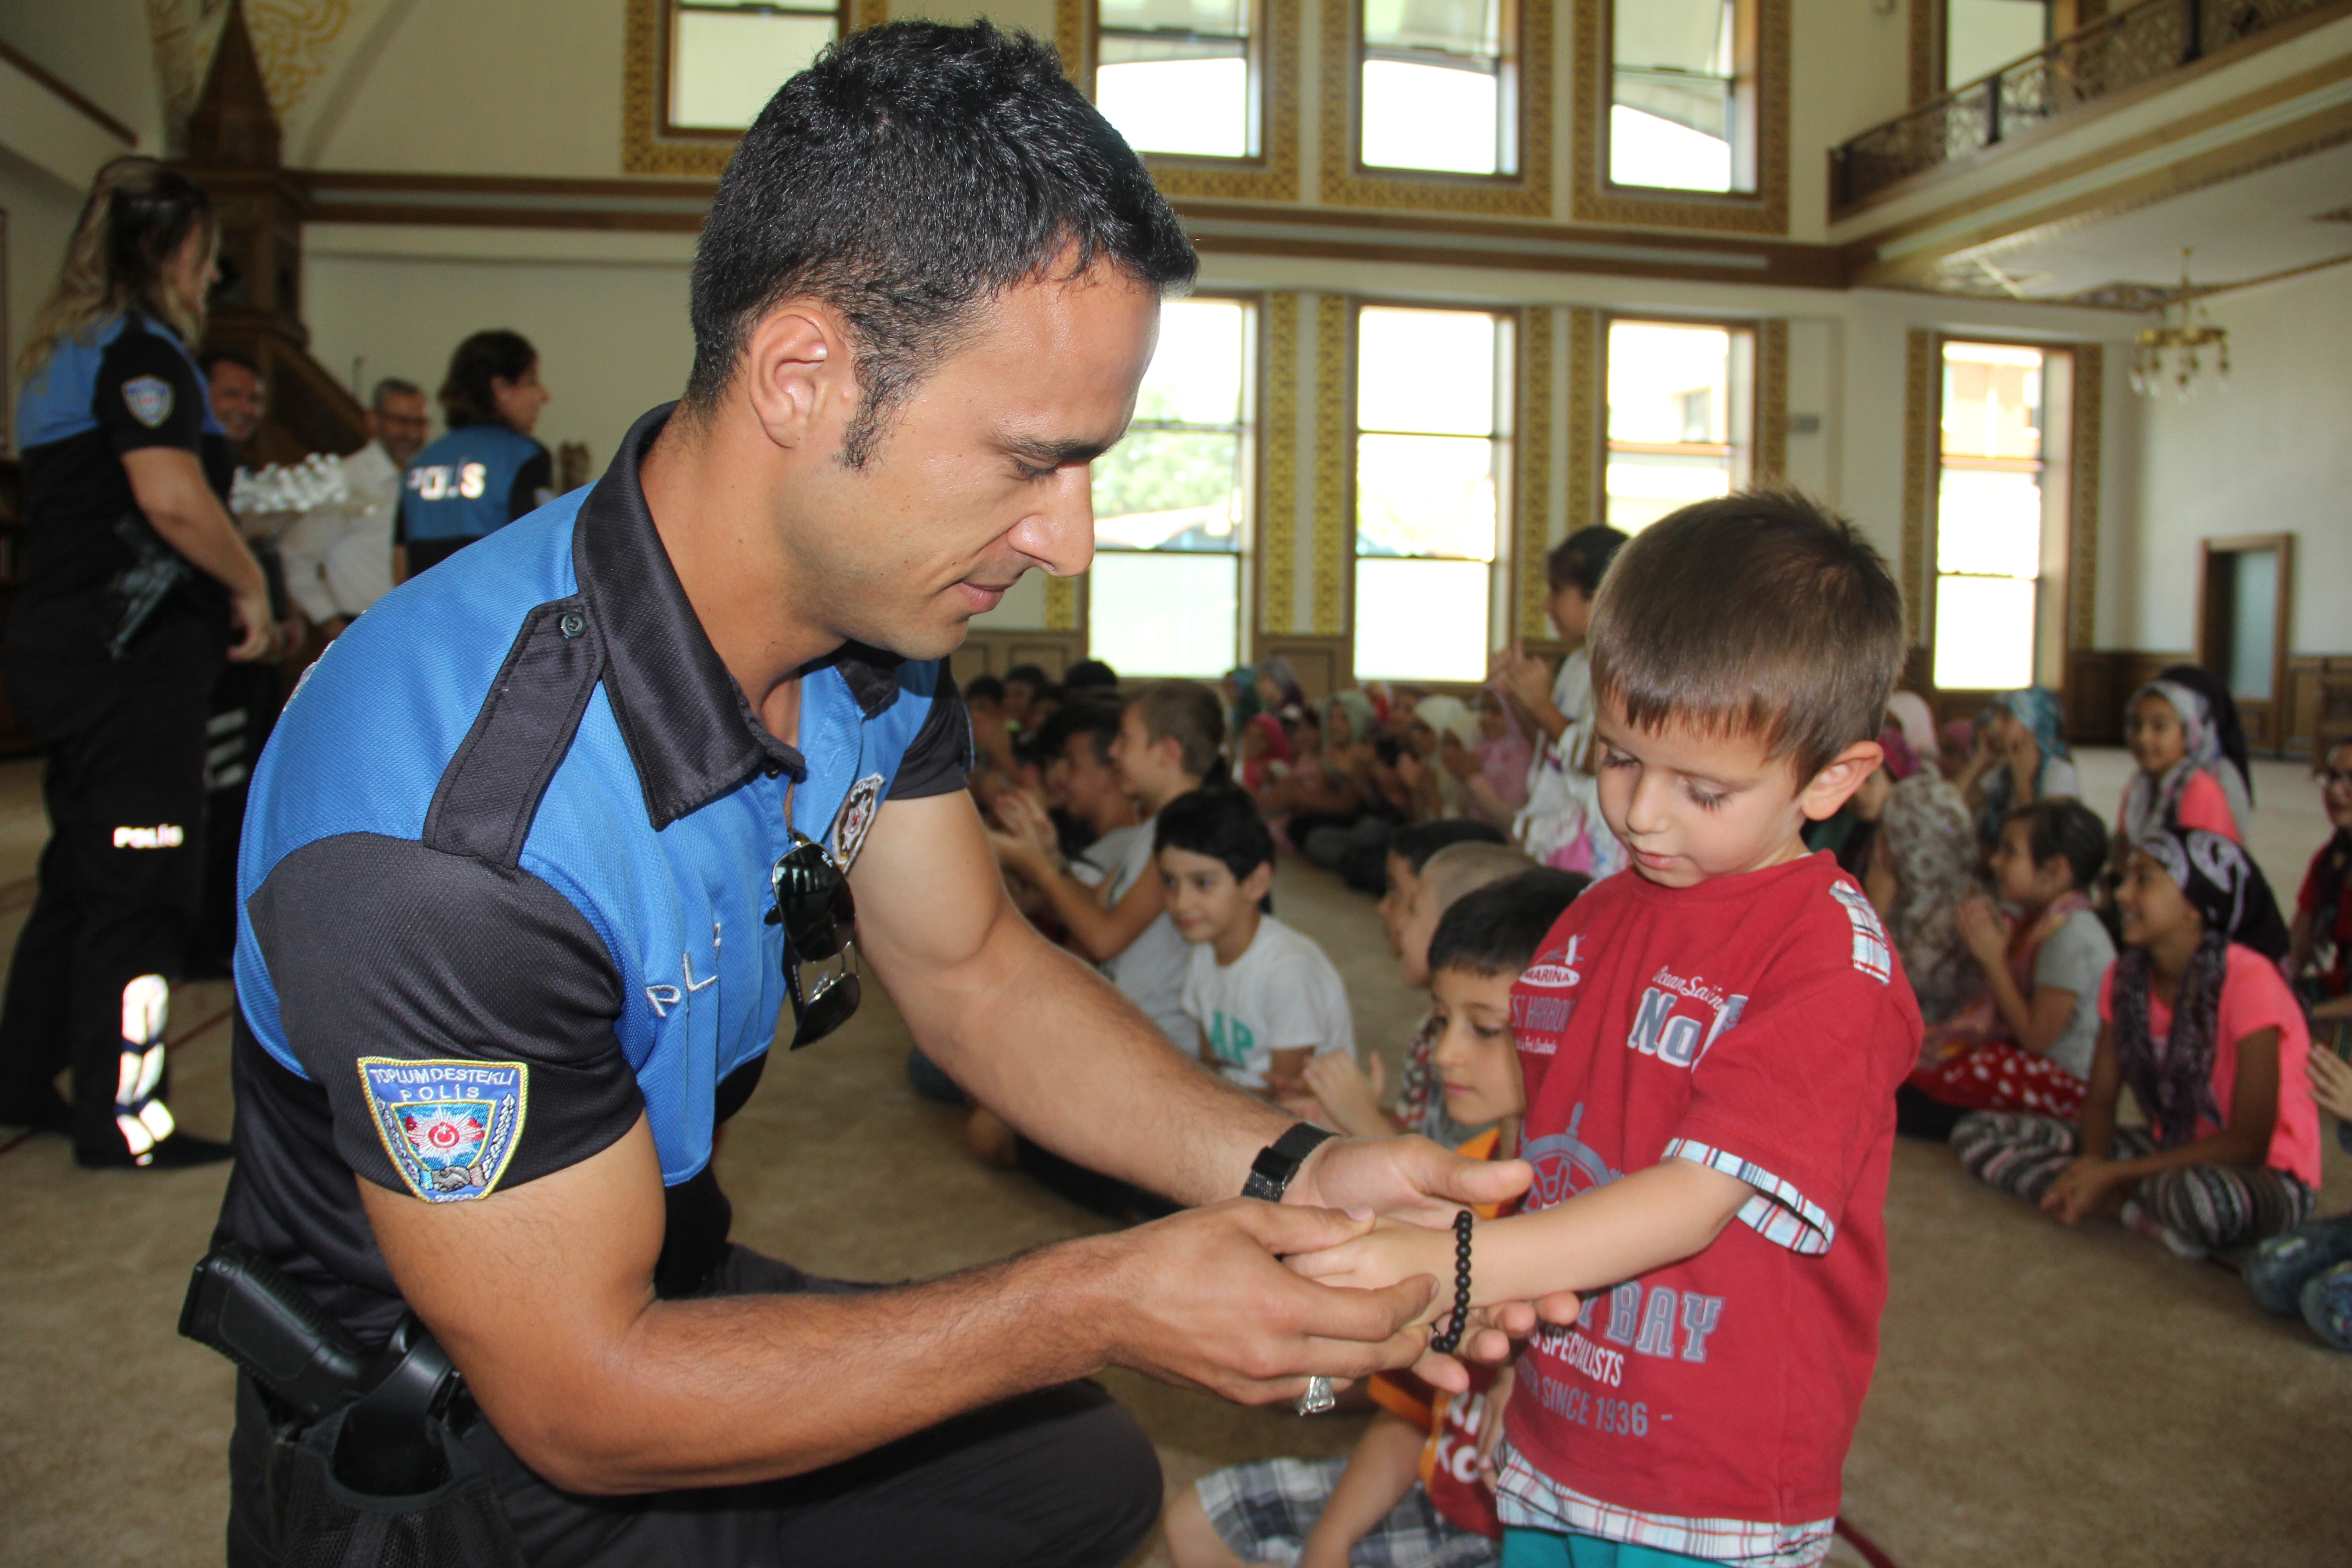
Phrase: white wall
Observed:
(607, 314)
(2272, 454)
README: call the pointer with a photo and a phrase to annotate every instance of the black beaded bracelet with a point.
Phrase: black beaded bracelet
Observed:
(1448, 1342)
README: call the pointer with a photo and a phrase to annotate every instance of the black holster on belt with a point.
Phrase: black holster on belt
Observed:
(141, 588)
(364, 1470)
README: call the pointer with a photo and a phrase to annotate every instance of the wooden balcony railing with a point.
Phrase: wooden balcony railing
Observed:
(2140, 43)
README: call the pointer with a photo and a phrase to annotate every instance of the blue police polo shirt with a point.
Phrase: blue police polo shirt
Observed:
(471, 483)
(504, 882)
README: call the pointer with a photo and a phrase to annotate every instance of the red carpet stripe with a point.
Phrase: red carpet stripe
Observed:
(1870, 1550)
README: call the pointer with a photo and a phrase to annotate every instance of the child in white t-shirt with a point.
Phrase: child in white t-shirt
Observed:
(1264, 997)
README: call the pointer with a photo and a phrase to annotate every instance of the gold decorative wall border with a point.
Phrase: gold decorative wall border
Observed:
(1062, 604)
(1277, 528)
(2083, 501)
(645, 149)
(1771, 399)
(1919, 461)
(1345, 184)
(1273, 175)
(1534, 472)
(1588, 432)
(1591, 199)
(1926, 50)
(1334, 532)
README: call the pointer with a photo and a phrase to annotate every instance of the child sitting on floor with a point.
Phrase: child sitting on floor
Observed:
(2200, 1026)
(1711, 1043)
(1263, 998)
(1351, 1095)
(2027, 1044)
(2186, 778)
(1417, 1492)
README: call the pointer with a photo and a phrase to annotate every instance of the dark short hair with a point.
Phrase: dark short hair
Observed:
(1221, 823)
(1189, 713)
(1758, 613)
(912, 173)
(2062, 828)
(1089, 673)
(393, 386)
(984, 688)
(213, 358)
(1416, 844)
(466, 395)
(1498, 928)
(1091, 717)
(1031, 676)
(1583, 559)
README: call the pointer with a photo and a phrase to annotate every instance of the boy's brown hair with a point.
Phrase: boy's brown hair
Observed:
(1188, 712)
(1761, 614)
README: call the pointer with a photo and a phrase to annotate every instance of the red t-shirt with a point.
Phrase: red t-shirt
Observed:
(1759, 1025)
(2254, 996)
(2337, 980)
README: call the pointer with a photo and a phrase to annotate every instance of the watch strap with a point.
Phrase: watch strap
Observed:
(1278, 1163)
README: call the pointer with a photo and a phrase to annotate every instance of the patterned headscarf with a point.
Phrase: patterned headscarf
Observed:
(2152, 804)
(2174, 1082)
(2037, 708)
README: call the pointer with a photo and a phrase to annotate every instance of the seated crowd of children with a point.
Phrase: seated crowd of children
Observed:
(1811, 921)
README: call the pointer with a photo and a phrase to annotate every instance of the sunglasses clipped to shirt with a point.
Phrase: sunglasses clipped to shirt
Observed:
(819, 915)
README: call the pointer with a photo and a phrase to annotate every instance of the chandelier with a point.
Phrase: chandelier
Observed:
(2184, 331)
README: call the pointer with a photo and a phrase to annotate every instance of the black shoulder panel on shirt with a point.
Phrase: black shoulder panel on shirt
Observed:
(940, 759)
(490, 791)
(383, 947)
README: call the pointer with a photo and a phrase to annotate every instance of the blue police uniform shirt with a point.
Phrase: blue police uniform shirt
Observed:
(471, 483)
(126, 384)
(504, 883)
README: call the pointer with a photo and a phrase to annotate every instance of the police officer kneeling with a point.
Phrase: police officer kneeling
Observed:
(632, 761)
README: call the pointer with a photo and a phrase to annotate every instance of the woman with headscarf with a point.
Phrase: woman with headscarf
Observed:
(1911, 714)
(1918, 859)
(1264, 755)
(2019, 756)
(2187, 778)
(2198, 1021)
(1323, 790)
(1493, 772)
(1435, 791)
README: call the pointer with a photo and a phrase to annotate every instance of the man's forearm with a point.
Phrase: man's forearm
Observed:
(1056, 1051)
(732, 1389)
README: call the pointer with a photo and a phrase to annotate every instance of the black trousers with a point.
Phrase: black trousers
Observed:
(122, 876)
(1059, 1478)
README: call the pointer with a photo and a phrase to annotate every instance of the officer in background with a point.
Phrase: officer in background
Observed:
(136, 585)
(487, 471)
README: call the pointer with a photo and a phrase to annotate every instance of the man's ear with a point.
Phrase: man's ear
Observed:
(796, 376)
(1834, 785)
(1259, 882)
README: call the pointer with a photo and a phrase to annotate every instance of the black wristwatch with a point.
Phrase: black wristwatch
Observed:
(1278, 1163)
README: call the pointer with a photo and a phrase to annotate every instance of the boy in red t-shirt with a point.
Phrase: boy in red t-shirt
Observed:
(1712, 1041)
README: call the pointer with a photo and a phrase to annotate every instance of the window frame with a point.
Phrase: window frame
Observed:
(1594, 197)
(1510, 392)
(2054, 591)
(1758, 329)
(1269, 174)
(1255, 386)
(650, 143)
(1347, 181)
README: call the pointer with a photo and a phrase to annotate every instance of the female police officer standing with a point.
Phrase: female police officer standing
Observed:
(135, 586)
(487, 471)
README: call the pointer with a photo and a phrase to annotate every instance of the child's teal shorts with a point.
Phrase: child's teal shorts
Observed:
(1551, 1549)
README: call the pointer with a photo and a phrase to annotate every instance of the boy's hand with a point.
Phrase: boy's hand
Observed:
(1350, 1098)
(1391, 1253)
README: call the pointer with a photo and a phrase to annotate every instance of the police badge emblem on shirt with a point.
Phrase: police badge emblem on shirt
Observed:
(149, 398)
(847, 835)
(450, 1127)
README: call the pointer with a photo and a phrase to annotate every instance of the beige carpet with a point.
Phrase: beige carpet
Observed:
(2044, 1397)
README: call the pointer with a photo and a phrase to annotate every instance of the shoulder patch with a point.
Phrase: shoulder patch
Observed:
(1871, 954)
(450, 1127)
(847, 835)
(149, 398)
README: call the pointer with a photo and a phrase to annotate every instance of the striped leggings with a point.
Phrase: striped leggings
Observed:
(2213, 1206)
